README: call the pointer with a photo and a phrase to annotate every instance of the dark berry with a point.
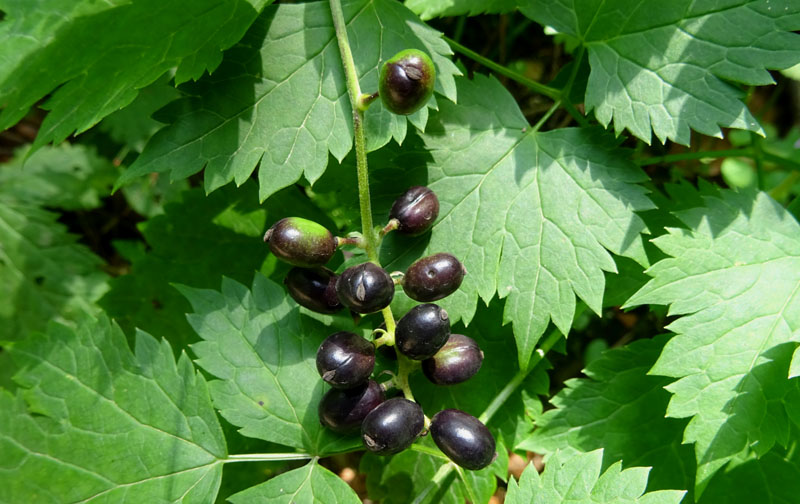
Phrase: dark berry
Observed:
(392, 426)
(300, 242)
(415, 210)
(457, 361)
(433, 277)
(344, 410)
(406, 81)
(345, 359)
(313, 288)
(422, 331)
(463, 438)
(365, 288)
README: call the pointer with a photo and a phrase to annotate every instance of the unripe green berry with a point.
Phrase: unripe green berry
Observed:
(301, 242)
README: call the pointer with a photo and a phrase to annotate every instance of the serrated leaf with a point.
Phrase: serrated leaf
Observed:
(576, 479)
(309, 484)
(666, 65)
(773, 478)
(734, 275)
(66, 176)
(427, 9)
(279, 100)
(529, 214)
(621, 409)
(44, 274)
(197, 242)
(264, 353)
(91, 58)
(94, 422)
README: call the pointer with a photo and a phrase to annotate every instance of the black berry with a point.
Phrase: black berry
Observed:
(313, 288)
(300, 242)
(365, 288)
(457, 361)
(392, 426)
(422, 331)
(463, 438)
(345, 359)
(344, 410)
(433, 277)
(415, 210)
(406, 81)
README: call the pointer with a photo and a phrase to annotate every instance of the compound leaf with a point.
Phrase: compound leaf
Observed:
(279, 100)
(621, 409)
(666, 65)
(93, 422)
(91, 58)
(734, 275)
(44, 273)
(311, 483)
(427, 9)
(529, 214)
(576, 479)
(264, 353)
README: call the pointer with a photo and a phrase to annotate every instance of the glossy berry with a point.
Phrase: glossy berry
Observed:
(392, 426)
(344, 410)
(406, 81)
(415, 211)
(457, 361)
(300, 242)
(365, 288)
(422, 331)
(463, 438)
(313, 288)
(433, 277)
(345, 359)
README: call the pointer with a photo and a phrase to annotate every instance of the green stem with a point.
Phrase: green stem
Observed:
(564, 93)
(772, 158)
(470, 492)
(548, 91)
(686, 156)
(354, 90)
(546, 116)
(427, 450)
(440, 475)
(516, 381)
(266, 457)
(404, 368)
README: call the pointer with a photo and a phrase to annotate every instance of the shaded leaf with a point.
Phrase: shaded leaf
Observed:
(666, 65)
(311, 483)
(427, 9)
(734, 275)
(93, 422)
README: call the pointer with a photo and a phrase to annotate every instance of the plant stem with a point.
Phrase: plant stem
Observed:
(427, 450)
(686, 156)
(354, 90)
(470, 491)
(440, 475)
(404, 368)
(266, 457)
(546, 116)
(548, 91)
(516, 381)
(564, 93)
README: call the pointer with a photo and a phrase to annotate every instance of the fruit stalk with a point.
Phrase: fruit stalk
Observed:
(354, 91)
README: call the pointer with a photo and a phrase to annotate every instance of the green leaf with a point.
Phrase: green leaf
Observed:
(734, 276)
(576, 479)
(666, 65)
(91, 58)
(309, 484)
(93, 422)
(529, 214)
(44, 274)
(195, 243)
(279, 100)
(264, 353)
(72, 177)
(773, 478)
(427, 9)
(621, 409)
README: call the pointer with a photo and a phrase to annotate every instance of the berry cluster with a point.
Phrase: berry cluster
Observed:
(346, 361)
